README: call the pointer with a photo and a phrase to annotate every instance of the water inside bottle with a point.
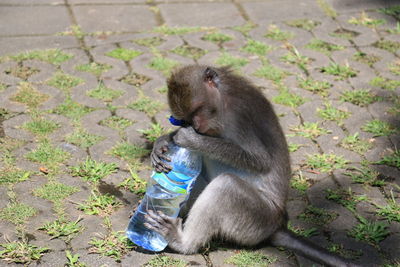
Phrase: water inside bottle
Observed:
(156, 199)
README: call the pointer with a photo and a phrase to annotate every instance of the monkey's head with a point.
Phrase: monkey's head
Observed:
(194, 96)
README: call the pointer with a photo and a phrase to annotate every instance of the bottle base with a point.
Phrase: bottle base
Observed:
(153, 244)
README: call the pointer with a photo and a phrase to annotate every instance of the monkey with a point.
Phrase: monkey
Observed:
(243, 185)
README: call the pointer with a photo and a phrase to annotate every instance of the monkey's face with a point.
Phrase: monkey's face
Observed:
(194, 97)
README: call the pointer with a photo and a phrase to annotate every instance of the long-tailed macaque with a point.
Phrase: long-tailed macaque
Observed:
(246, 165)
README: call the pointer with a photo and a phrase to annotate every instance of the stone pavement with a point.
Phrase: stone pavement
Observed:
(83, 96)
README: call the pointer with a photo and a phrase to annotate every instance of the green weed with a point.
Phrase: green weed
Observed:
(116, 123)
(395, 67)
(356, 144)
(64, 81)
(135, 79)
(21, 252)
(104, 93)
(94, 68)
(217, 37)
(378, 128)
(391, 160)
(387, 45)
(301, 231)
(114, 245)
(17, 213)
(129, 152)
(370, 232)
(41, 126)
(314, 86)
(365, 58)
(294, 57)
(164, 29)
(93, 171)
(147, 105)
(317, 216)
(328, 10)
(82, 138)
(22, 72)
(149, 42)
(47, 154)
(360, 97)
(390, 212)
(134, 184)
(288, 99)
(98, 204)
(326, 162)
(256, 47)
(341, 72)
(331, 113)
(309, 130)
(226, 59)
(250, 258)
(124, 54)
(305, 24)
(268, 71)
(385, 83)
(55, 191)
(28, 95)
(345, 198)
(72, 110)
(73, 260)
(300, 182)
(163, 64)
(323, 47)
(275, 33)
(365, 176)
(152, 133)
(53, 56)
(160, 261)
(189, 51)
(365, 20)
(344, 33)
(62, 229)
(12, 175)
(395, 30)
(246, 28)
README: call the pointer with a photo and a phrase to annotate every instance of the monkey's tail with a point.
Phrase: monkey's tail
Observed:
(301, 246)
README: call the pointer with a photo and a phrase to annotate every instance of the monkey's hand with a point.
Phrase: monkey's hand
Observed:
(170, 228)
(187, 137)
(158, 157)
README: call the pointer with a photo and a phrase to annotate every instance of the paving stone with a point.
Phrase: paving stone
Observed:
(195, 14)
(136, 258)
(262, 12)
(116, 19)
(345, 6)
(15, 45)
(33, 20)
(76, 2)
(92, 259)
(52, 258)
(124, 21)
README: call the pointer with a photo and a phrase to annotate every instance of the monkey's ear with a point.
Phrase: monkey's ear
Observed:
(211, 77)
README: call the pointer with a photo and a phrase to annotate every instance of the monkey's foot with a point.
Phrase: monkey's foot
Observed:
(167, 226)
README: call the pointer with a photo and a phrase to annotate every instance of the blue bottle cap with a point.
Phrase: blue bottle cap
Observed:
(176, 122)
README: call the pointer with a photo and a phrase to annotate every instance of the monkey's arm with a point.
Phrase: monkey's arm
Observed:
(158, 153)
(224, 150)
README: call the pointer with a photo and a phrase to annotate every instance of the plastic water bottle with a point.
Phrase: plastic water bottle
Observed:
(165, 192)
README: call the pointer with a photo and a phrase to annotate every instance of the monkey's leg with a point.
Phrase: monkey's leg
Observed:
(229, 207)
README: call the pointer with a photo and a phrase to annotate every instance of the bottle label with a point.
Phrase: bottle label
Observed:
(166, 181)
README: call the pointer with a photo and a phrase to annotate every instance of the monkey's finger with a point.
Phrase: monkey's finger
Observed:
(155, 217)
(166, 218)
